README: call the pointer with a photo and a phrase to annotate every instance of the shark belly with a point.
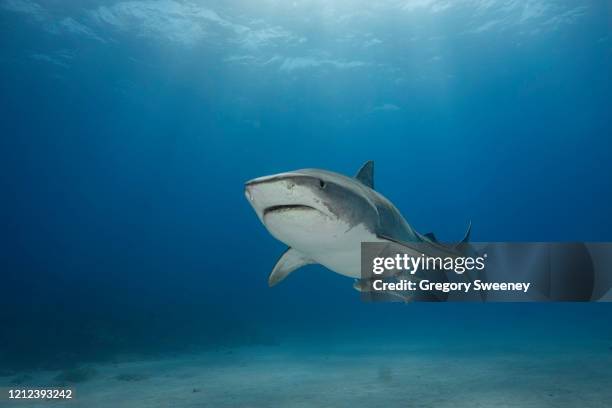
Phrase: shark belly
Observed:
(344, 255)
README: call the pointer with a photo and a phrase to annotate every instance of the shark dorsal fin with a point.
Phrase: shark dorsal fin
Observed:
(287, 263)
(366, 174)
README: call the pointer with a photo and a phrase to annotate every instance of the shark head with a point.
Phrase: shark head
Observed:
(311, 209)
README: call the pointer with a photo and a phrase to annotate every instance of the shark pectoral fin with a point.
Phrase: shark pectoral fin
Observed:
(366, 174)
(287, 263)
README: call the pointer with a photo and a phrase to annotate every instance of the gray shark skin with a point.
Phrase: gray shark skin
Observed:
(324, 217)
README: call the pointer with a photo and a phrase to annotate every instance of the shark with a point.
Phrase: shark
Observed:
(323, 217)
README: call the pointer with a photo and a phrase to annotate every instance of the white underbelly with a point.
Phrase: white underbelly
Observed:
(347, 263)
(345, 257)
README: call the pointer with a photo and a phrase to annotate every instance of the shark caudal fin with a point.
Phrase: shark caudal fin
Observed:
(366, 174)
(289, 261)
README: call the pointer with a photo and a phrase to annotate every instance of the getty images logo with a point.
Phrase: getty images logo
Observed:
(412, 264)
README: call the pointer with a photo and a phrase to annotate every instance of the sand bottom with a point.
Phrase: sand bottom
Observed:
(284, 376)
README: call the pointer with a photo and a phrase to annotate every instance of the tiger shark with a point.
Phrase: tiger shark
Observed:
(324, 217)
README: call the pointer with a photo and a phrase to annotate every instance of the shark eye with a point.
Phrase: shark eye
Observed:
(322, 184)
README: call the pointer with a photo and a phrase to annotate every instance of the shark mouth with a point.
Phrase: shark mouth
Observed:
(287, 207)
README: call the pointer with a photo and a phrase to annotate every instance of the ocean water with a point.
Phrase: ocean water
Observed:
(134, 271)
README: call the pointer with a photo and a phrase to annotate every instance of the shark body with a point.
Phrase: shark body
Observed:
(324, 217)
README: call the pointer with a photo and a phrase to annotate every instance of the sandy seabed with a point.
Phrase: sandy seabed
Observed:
(281, 376)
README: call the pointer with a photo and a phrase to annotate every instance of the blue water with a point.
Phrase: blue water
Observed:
(128, 128)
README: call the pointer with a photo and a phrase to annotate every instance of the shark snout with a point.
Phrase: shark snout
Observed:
(284, 190)
(264, 192)
(247, 194)
(271, 179)
(255, 191)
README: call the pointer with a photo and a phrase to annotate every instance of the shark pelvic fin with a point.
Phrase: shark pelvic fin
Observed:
(366, 174)
(289, 261)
